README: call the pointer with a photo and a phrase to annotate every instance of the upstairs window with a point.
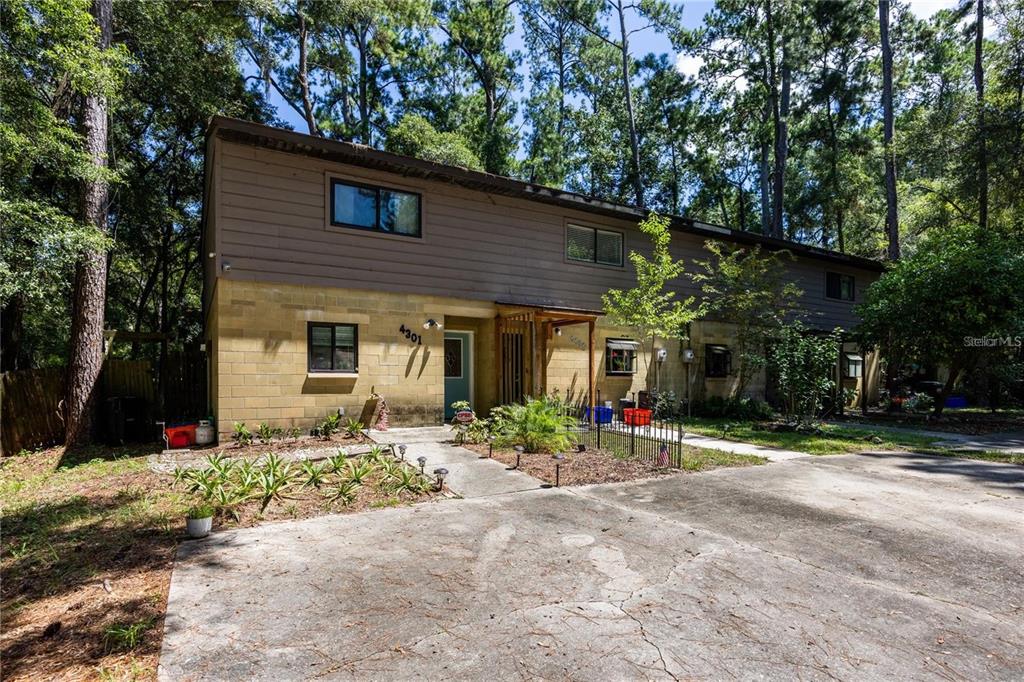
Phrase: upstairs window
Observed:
(620, 356)
(333, 347)
(839, 287)
(590, 245)
(375, 208)
(717, 361)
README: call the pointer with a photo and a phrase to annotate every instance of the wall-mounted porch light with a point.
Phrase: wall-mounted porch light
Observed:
(432, 324)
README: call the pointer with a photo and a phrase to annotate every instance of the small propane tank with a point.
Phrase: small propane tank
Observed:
(205, 433)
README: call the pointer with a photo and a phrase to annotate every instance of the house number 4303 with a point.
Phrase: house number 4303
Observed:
(411, 335)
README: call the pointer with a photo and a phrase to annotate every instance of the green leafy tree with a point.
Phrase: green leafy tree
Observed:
(50, 59)
(415, 136)
(803, 362)
(954, 288)
(650, 307)
(747, 288)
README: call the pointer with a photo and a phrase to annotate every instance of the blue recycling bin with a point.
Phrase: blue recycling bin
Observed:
(602, 415)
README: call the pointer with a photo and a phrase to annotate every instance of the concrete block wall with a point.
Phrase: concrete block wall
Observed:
(259, 354)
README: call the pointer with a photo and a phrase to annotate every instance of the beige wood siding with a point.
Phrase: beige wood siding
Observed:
(271, 225)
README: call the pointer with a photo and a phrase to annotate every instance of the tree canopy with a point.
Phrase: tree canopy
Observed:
(765, 117)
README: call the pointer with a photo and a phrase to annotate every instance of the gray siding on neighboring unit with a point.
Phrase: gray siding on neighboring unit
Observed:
(271, 225)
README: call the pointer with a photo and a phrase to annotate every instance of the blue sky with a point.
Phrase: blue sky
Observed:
(642, 43)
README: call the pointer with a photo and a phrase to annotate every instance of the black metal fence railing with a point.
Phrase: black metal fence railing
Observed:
(630, 432)
(655, 441)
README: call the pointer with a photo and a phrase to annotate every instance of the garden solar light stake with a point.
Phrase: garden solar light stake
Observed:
(422, 461)
(558, 457)
(519, 453)
(401, 451)
(440, 473)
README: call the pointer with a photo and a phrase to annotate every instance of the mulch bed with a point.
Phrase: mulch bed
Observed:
(579, 468)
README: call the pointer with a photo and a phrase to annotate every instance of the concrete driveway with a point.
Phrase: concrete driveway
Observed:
(851, 567)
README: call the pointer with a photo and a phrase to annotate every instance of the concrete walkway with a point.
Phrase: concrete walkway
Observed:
(469, 475)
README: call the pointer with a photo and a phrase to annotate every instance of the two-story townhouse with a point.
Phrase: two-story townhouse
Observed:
(334, 271)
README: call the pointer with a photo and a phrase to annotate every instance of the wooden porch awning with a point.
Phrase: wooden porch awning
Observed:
(522, 333)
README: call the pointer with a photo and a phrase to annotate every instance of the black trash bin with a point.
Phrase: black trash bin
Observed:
(625, 404)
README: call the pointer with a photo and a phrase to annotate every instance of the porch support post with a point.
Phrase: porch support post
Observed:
(591, 369)
(839, 380)
(545, 329)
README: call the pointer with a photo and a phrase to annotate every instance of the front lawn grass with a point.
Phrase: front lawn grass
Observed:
(833, 440)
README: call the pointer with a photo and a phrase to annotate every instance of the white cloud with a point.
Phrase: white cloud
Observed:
(924, 9)
(689, 65)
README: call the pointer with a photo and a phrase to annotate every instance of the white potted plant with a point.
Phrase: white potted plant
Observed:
(199, 520)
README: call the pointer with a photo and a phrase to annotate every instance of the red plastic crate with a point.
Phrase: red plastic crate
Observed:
(636, 416)
(180, 436)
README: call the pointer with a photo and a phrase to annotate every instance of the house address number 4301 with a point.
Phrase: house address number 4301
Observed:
(411, 335)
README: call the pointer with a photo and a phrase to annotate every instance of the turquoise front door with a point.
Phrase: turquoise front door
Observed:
(458, 369)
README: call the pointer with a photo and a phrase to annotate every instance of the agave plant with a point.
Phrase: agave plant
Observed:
(315, 474)
(407, 480)
(357, 471)
(275, 478)
(378, 455)
(338, 462)
(345, 492)
(220, 465)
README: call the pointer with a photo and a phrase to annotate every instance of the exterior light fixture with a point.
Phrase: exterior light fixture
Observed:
(558, 457)
(432, 324)
(401, 452)
(558, 331)
(519, 453)
(490, 445)
(662, 355)
(440, 473)
(422, 461)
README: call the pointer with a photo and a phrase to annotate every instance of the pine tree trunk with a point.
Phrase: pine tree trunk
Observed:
(764, 182)
(781, 148)
(634, 141)
(892, 228)
(979, 86)
(86, 349)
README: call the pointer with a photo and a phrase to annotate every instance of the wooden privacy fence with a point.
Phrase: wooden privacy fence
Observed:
(30, 398)
(29, 409)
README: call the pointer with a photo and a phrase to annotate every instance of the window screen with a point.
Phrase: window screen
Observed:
(589, 245)
(609, 247)
(580, 244)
